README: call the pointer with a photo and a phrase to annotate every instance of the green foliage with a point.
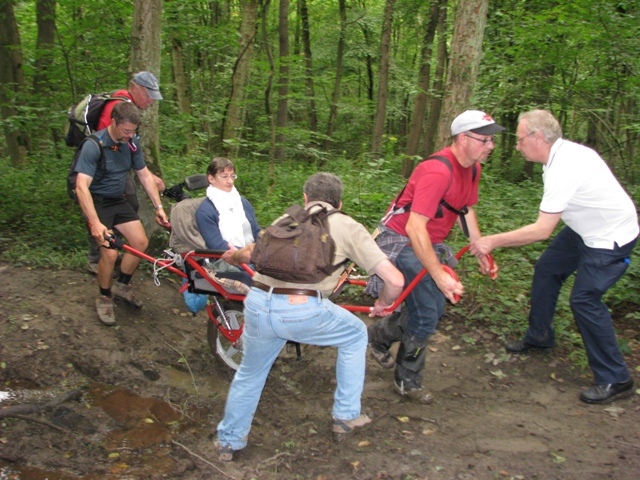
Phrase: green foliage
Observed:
(41, 224)
(578, 59)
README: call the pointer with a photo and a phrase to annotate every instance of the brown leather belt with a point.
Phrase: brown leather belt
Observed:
(285, 291)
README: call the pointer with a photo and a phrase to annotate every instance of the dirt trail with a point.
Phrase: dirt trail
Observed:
(153, 394)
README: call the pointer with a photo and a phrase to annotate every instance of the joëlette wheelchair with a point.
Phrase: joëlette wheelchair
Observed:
(224, 308)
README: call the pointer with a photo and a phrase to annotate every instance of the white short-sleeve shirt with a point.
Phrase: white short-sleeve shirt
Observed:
(579, 184)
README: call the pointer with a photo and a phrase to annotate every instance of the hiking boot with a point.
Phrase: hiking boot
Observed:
(342, 428)
(418, 395)
(382, 355)
(104, 307)
(224, 452)
(92, 268)
(124, 292)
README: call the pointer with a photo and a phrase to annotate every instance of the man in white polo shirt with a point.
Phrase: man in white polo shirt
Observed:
(601, 229)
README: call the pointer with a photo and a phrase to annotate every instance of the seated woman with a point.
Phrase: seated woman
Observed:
(225, 219)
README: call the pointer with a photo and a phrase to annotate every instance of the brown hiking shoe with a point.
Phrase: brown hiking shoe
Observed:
(124, 292)
(92, 267)
(104, 307)
(342, 428)
(383, 357)
(418, 395)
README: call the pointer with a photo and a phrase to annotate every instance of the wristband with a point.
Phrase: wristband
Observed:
(158, 207)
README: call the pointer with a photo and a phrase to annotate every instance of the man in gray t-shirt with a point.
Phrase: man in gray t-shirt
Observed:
(100, 187)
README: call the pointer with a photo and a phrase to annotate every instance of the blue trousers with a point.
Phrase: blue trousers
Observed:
(425, 302)
(426, 306)
(596, 271)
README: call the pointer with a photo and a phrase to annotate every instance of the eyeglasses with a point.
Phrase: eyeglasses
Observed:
(521, 139)
(125, 131)
(224, 178)
(486, 141)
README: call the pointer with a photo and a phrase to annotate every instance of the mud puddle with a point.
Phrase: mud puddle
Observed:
(135, 432)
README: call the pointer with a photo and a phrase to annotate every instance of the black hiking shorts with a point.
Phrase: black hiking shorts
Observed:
(114, 211)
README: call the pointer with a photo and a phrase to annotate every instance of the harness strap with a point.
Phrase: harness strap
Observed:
(443, 203)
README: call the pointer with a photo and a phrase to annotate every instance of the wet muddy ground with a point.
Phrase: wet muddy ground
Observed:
(145, 397)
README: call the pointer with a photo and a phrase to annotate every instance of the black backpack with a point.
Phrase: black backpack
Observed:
(85, 116)
(72, 174)
(297, 248)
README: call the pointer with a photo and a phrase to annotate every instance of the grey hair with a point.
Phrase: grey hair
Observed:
(544, 122)
(325, 187)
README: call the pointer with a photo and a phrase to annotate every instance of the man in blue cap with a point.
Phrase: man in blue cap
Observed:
(143, 91)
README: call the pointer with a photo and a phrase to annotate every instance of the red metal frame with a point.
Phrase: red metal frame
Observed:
(233, 335)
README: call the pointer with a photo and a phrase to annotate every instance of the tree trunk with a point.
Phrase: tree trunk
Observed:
(283, 80)
(231, 133)
(435, 100)
(308, 66)
(181, 83)
(369, 81)
(180, 78)
(46, 20)
(145, 55)
(424, 77)
(11, 83)
(383, 86)
(335, 98)
(267, 89)
(466, 49)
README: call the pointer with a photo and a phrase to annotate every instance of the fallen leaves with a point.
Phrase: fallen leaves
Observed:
(615, 412)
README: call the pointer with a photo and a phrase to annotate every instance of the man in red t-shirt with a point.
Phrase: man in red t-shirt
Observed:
(416, 238)
(143, 90)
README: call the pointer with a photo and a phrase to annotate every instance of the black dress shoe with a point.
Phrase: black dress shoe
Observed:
(607, 393)
(520, 346)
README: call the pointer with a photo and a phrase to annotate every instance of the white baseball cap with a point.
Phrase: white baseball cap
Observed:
(475, 121)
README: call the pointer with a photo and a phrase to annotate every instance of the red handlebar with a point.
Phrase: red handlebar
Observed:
(492, 275)
(423, 272)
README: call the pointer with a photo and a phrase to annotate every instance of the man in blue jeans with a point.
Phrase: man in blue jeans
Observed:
(601, 229)
(441, 192)
(276, 312)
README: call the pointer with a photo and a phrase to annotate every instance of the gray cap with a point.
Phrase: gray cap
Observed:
(148, 80)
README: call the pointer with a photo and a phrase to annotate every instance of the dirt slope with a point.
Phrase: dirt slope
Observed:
(151, 393)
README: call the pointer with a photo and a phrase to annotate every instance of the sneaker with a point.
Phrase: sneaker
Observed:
(124, 292)
(104, 307)
(342, 428)
(607, 393)
(92, 268)
(382, 356)
(414, 394)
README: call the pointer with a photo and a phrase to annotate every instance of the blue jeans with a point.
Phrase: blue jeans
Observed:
(270, 320)
(596, 271)
(426, 306)
(425, 302)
